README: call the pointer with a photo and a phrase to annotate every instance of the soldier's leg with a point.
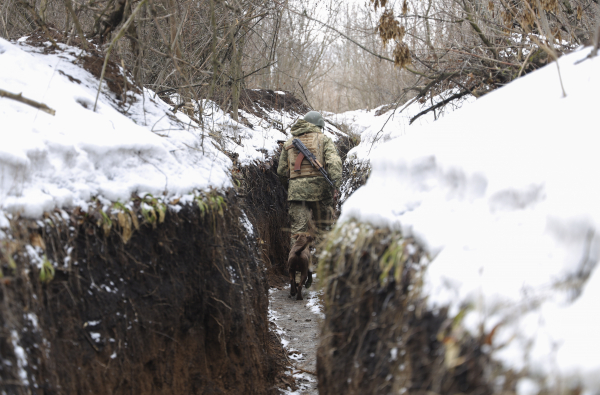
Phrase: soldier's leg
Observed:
(315, 227)
(322, 214)
(299, 218)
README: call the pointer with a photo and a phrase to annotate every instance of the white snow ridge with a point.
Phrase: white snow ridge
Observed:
(64, 160)
(504, 196)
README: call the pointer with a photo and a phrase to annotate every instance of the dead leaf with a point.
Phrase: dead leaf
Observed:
(134, 220)
(125, 224)
(37, 241)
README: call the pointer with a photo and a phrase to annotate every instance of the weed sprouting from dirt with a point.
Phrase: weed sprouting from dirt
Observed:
(174, 306)
(379, 336)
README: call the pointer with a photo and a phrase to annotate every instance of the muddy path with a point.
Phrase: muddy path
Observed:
(298, 324)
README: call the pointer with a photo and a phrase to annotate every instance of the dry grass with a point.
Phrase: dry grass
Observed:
(379, 336)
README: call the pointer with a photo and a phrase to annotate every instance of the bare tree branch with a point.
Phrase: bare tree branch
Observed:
(29, 102)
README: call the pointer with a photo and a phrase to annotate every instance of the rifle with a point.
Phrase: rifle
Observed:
(305, 152)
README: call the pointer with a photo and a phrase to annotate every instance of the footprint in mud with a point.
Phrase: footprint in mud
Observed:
(298, 323)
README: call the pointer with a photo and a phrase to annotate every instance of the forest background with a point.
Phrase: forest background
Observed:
(335, 55)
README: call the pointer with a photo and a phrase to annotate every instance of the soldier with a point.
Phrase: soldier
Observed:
(309, 193)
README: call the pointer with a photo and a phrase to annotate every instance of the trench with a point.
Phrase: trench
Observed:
(197, 301)
(194, 302)
(192, 297)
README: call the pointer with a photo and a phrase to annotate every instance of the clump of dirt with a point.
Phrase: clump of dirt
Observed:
(181, 307)
(39, 38)
(113, 76)
(92, 60)
(261, 102)
(378, 336)
(258, 101)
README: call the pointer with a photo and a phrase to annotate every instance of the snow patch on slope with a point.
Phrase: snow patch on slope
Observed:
(65, 160)
(138, 147)
(503, 196)
(375, 130)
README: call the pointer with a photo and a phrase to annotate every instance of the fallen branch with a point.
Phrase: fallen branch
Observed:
(485, 58)
(440, 104)
(29, 102)
(305, 371)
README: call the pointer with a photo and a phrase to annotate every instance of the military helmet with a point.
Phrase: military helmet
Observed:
(315, 118)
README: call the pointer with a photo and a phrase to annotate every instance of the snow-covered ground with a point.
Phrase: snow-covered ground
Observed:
(64, 160)
(118, 150)
(503, 195)
(376, 130)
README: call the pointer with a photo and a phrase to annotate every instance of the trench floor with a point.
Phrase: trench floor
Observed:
(298, 323)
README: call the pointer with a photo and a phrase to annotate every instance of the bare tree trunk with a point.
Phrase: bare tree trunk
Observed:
(235, 74)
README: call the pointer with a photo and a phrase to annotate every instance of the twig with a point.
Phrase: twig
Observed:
(219, 300)
(89, 339)
(255, 71)
(524, 64)
(478, 30)
(177, 59)
(552, 54)
(181, 87)
(29, 102)
(438, 105)
(305, 371)
(596, 42)
(484, 58)
(311, 106)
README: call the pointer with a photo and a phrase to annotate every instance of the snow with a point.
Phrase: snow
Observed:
(375, 130)
(21, 357)
(502, 194)
(95, 336)
(118, 150)
(246, 223)
(64, 160)
(313, 296)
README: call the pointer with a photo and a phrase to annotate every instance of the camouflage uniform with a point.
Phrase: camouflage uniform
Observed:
(310, 196)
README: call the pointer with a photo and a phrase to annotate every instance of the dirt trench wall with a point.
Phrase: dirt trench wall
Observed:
(378, 336)
(266, 204)
(181, 308)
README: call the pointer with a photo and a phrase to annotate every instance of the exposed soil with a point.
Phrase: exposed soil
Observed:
(378, 335)
(181, 308)
(114, 78)
(258, 101)
(91, 60)
(267, 207)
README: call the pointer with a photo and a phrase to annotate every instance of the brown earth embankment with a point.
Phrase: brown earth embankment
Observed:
(379, 337)
(180, 308)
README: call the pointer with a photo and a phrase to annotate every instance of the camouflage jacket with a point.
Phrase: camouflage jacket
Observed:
(310, 188)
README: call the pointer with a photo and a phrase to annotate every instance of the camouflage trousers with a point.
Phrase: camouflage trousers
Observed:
(311, 217)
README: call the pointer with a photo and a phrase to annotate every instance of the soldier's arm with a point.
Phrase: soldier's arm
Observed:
(283, 171)
(333, 162)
